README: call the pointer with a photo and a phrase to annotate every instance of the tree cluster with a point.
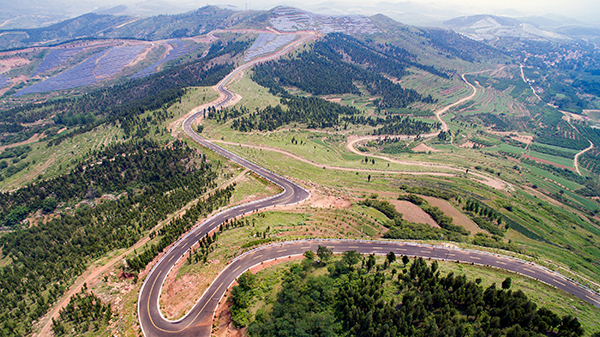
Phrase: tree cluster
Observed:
(350, 301)
(334, 64)
(85, 312)
(157, 179)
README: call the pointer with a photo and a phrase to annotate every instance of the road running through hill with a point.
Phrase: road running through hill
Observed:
(198, 321)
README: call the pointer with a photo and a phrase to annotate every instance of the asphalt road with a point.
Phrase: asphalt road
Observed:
(198, 322)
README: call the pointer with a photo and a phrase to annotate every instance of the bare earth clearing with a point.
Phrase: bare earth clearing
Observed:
(411, 212)
(459, 218)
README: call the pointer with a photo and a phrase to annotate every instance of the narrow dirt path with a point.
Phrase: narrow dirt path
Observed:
(576, 159)
(491, 182)
(525, 80)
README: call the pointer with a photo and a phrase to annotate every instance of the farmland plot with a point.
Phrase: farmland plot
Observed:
(267, 43)
(55, 58)
(180, 49)
(3, 80)
(99, 66)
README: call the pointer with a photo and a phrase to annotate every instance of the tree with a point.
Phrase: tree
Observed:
(49, 204)
(309, 255)
(351, 258)
(370, 262)
(324, 254)
(391, 257)
(506, 283)
(405, 260)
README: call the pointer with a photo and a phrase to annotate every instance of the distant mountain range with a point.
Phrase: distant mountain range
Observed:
(491, 27)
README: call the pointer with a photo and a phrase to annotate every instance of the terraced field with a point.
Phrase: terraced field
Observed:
(102, 64)
(180, 48)
(56, 58)
(266, 44)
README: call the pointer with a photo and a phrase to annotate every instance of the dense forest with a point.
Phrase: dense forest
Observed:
(315, 113)
(146, 182)
(85, 312)
(353, 299)
(335, 63)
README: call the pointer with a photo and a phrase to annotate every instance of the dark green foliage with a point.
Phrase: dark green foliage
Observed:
(315, 113)
(550, 151)
(458, 45)
(323, 70)
(591, 160)
(17, 151)
(494, 241)
(173, 230)
(561, 172)
(418, 231)
(483, 215)
(312, 111)
(415, 199)
(135, 164)
(484, 223)
(514, 225)
(158, 180)
(430, 192)
(398, 125)
(85, 312)
(324, 254)
(443, 220)
(384, 207)
(426, 303)
(242, 296)
(301, 308)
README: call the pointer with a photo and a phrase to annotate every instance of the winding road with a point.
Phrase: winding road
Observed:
(198, 321)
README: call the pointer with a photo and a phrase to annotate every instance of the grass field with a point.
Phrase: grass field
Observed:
(553, 159)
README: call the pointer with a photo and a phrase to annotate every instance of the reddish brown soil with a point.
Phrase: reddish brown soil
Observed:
(546, 162)
(458, 218)
(413, 213)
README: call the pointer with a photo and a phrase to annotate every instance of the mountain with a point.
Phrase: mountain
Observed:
(106, 26)
(491, 27)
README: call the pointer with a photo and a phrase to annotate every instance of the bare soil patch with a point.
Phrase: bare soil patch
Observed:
(334, 99)
(326, 201)
(413, 213)
(12, 62)
(179, 295)
(424, 148)
(33, 139)
(458, 218)
(525, 139)
(222, 320)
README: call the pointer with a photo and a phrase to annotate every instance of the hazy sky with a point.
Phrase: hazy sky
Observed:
(585, 10)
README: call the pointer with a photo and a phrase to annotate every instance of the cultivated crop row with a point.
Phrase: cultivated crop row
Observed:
(101, 65)
(267, 43)
(55, 58)
(180, 48)
(3, 80)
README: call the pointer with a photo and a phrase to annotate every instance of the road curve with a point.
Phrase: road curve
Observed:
(290, 248)
(198, 321)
